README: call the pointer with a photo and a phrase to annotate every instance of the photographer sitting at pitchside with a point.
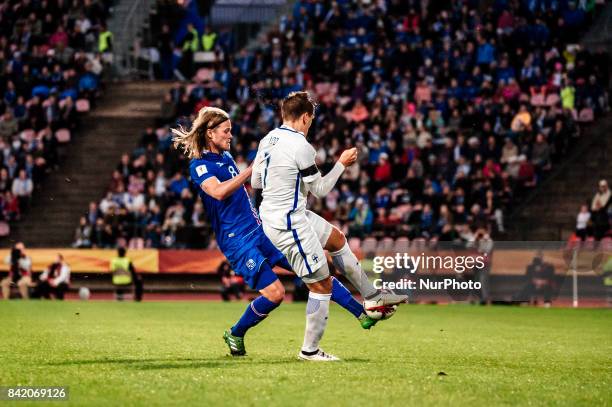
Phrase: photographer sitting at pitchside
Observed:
(54, 280)
(20, 272)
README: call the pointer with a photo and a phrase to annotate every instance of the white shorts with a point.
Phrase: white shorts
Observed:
(321, 227)
(302, 249)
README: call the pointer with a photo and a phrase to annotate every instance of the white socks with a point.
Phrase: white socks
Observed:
(317, 310)
(346, 262)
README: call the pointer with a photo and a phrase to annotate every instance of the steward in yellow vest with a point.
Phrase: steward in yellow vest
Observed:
(124, 275)
(105, 40)
(208, 39)
(191, 39)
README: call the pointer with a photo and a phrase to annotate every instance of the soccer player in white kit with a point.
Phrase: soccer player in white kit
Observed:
(285, 170)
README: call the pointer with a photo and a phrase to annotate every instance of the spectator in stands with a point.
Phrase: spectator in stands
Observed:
(583, 220)
(438, 110)
(165, 45)
(231, 283)
(47, 63)
(361, 218)
(599, 209)
(82, 235)
(54, 280)
(20, 272)
(22, 188)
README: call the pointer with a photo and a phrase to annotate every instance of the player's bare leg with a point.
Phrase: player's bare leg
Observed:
(346, 262)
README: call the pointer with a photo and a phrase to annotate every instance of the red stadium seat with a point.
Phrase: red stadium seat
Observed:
(369, 245)
(606, 243)
(538, 100)
(82, 105)
(5, 229)
(386, 245)
(402, 245)
(354, 243)
(586, 115)
(63, 136)
(204, 75)
(552, 100)
(420, 243)
(136, 243)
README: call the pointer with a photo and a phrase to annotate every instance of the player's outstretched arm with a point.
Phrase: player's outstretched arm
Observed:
(256, 180)
(321, 186)
(222, 190)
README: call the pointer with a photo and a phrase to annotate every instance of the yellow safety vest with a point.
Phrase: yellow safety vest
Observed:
(607, 272)
(193, 44)
(120, 266)
(208, 41)
(104, 41)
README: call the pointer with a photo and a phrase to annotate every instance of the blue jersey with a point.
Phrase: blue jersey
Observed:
(234, 218)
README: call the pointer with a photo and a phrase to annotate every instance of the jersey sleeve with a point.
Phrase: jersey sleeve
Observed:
(256, 178)
(200, 172)
(305, 158)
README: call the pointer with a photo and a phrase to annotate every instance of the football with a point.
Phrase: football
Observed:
(376, 311)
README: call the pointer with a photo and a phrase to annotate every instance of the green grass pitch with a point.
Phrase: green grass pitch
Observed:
(170, 353)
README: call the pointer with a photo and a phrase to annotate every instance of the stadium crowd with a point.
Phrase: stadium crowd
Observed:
(593, 220)
(51, 62)
(456, 110)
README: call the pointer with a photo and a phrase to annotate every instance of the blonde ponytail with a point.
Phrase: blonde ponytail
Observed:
(193, 142)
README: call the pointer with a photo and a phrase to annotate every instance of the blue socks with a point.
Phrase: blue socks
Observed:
(256, 312)
(342, 296)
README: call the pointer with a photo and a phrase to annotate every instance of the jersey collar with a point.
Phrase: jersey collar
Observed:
(212, 156)
(285, 127)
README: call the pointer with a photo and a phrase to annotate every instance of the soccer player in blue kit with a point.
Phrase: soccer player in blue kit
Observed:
(237, 225)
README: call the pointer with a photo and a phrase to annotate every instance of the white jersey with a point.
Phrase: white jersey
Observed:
(284, 162)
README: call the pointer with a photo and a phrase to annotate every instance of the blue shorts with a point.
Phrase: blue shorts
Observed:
(247, 260)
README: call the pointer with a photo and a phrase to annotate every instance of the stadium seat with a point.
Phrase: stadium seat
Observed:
(552, 100)
(5, 229)
(586, 115)
(402, 245)
(136, 243)
(354, 243)
(386, 245)
(368, 245)
(204, 75)
(419, 243)
(83, 105)
(204, 57)
(63, 136)
(538, 100)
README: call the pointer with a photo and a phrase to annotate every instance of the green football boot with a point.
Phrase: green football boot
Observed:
(367, 322)
(235, 343)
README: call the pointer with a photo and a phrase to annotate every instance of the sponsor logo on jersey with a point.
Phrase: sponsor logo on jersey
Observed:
(250, 264)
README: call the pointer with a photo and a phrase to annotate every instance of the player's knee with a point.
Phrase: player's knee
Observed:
(321, 287)
(336, 240)
(276, 293)
(279, 293)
